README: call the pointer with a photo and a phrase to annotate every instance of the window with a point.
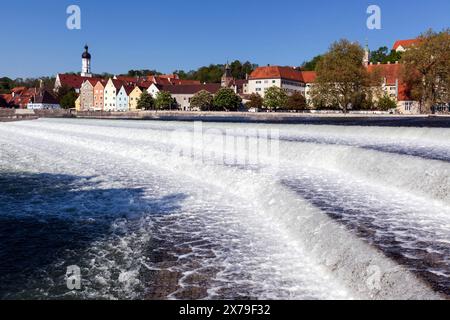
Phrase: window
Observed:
(408, 105)
(258, 89)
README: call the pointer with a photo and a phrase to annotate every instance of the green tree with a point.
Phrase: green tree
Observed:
(296, 101)
(6, 84)
(213, 73)
(342, 80)
(312, 64)
(385, 103)
(164, 101)
(427, 69)
(63, 91)
(226, 100)
(382, 55)
(68, 100)
(202, 100)
(145, 101)
(275, 98)
(255, 101)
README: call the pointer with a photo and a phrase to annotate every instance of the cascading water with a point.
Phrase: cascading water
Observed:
(330, 213)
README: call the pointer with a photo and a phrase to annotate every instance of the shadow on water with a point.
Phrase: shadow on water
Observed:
(44, 216)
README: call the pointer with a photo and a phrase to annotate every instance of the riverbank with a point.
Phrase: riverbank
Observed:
(351, 119)
(331, 118)
(8, 115)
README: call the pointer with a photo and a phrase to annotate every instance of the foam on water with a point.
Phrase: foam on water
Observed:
(251, 233)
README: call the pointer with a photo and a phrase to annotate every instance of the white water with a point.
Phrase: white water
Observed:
(338, 208)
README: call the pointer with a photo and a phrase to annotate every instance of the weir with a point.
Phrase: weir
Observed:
(323, 220)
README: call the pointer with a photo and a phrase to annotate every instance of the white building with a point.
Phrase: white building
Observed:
(43, 100)
(112, 88)
(403, 45)
(86, 63)
(286, 78)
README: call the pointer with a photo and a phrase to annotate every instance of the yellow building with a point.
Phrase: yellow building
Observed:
(78, 104)
(134, 98)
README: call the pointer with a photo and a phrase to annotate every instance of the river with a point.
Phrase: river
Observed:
(184, 210)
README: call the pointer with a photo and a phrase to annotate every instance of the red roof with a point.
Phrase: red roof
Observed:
(180, 82)
(117, 84)
(128, 79)
(309, 76)
(276, 72)
(191, 89)
(406, 43)
(390, 72)
(74, 81)
(287, 73)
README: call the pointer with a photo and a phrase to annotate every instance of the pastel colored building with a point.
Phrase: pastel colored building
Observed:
(87, 95)
(122, 103)
(99, 97)
(134, 97)
(112, 88)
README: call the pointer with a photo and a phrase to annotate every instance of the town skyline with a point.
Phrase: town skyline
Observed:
(231, 34)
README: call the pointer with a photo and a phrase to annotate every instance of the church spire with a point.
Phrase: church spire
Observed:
(227, 78)
(366, 59)
(86, 62)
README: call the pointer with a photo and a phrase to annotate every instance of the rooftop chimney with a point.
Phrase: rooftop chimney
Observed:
(389, 62)
(378, 63)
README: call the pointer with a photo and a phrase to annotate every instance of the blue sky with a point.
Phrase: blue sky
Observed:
(186, 34)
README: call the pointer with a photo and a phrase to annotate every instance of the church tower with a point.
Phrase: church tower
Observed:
(366, 59)
(227, 78)
(86, 63)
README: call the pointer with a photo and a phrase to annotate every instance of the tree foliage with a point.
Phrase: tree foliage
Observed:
(255, 101)
(275, 98)
(382, 55)
(385, 103)
(312, 64)
(214, 72)
(202, 100)
(296, 101)
(342, 80)
(226, 100)
(164, 101)
(427, 69)
(145, 101)
(143, 73)
(67, 101)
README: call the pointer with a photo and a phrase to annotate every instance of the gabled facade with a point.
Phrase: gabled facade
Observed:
(110, 94)
(404, 45)
(99, 97)
(122, 101)
(134, 97)
(43, 100)
(87, 95)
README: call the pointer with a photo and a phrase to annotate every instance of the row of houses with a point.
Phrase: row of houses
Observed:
(29, 98)
(121, 93)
